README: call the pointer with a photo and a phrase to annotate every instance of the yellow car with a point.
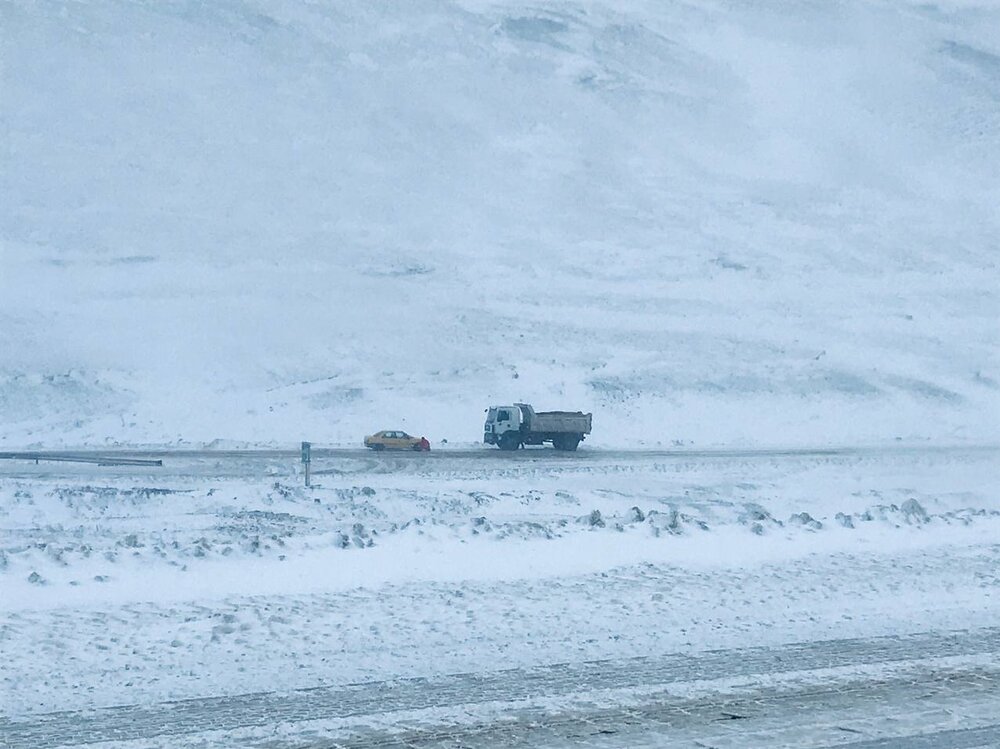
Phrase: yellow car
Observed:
(389, 439)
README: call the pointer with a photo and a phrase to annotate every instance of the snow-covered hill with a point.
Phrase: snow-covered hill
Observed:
(710, 222)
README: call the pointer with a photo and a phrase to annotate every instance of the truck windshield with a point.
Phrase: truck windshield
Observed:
(503, 415)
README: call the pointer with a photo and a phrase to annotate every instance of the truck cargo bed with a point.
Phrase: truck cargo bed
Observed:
(575, 422)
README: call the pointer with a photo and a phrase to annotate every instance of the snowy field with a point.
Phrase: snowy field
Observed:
(220, 577)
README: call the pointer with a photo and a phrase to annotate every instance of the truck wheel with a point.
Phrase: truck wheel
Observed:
(567, 444)
(509, 442)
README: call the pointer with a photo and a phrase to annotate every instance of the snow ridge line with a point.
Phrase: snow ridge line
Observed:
(961, 738)
(177, 718)
(650, 723)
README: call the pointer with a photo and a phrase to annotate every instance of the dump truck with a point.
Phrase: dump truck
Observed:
(511, 427)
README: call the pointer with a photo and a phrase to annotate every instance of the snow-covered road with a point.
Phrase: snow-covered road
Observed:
(223, 463)
(927, 690)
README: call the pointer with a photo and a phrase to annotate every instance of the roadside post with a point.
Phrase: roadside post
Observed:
(307, 459)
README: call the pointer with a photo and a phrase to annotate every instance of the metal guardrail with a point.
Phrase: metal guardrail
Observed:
(101, 460)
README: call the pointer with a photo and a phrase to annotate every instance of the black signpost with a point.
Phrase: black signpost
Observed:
(306, 458)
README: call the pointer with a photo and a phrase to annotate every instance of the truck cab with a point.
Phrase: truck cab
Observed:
(503, 426)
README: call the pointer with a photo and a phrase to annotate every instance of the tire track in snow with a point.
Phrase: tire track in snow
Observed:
(193, 716)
